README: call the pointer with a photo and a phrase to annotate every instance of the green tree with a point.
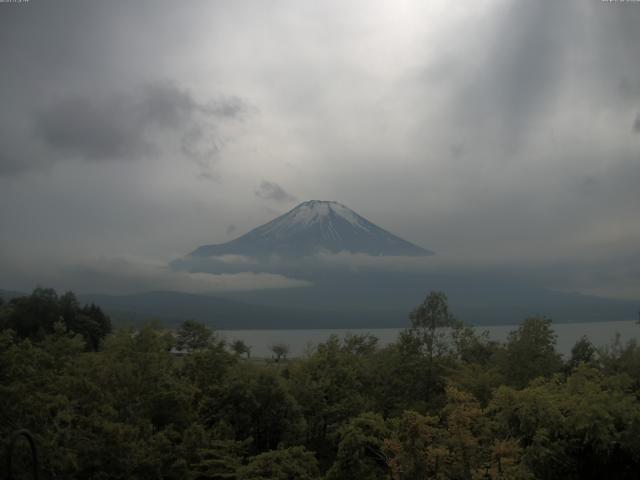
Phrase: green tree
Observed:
(209, 456)
(254, 402)
(582, 352)
(416, 447)
(239, 347)
(34, 316)
(586, 426)
(192, 335)
(431, 324)
(360, 344)
(401, 378)
(329, 388)
(464, 425)
(360, 449)
(479, 380)
(207, 370)
(294, 463)
(88, 321)
(530, 352)
(280, 350)
(619, 358)
(471, 347)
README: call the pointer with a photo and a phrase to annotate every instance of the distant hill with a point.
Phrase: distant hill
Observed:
(284, 310)
(477, 299)
(368, 307)
(220, 313)
(7, 295)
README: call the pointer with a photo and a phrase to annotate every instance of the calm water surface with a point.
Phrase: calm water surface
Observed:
(303, 341)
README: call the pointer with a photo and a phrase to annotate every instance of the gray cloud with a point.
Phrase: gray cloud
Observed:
(123, 275)
(126, 274)
(123, 126)
(273, 191)
(526, 65)
(93, 130)
(16, 154)
(500, 132)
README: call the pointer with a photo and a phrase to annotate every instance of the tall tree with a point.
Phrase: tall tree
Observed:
(239, 347)
(582, 352)
(192, 335)
(35, 316)
(280, 350)
(530, 352)
(284, 464)
(431, 323)
(360, 449)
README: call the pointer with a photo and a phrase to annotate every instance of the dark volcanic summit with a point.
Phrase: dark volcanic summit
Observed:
(312, 227)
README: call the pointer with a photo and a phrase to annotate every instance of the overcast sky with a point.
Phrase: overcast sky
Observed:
(500, 134)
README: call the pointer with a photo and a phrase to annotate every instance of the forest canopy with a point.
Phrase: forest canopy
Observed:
(442, 402)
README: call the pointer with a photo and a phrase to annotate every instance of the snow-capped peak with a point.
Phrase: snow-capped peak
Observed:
(315, 211)
(312, 226)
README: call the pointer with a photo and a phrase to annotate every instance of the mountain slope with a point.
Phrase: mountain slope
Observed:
(221, 313)
(320, 308)
(480, 298)
(311, 227)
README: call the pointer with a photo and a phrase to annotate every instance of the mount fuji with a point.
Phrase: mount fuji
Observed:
(312, 227)
(347, 290)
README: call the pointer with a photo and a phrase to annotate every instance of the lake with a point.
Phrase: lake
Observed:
(301, 341)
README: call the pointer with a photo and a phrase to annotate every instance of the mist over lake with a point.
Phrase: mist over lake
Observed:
(302, 342)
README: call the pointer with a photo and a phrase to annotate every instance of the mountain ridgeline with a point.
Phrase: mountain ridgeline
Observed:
(312, 227)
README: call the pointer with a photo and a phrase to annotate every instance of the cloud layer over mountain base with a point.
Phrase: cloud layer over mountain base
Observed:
(125, 275)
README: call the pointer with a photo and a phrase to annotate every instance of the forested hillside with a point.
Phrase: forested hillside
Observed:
(440, 403)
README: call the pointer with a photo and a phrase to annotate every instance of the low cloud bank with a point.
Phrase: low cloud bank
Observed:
(593, 276)
(129, 275)
(125, 275)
